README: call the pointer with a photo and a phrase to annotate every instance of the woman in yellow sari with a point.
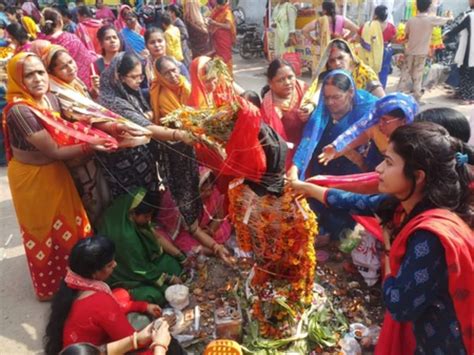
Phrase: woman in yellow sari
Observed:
(169, 90)
(340, 55)
(48, 208)
(15, 15)
(329, 26)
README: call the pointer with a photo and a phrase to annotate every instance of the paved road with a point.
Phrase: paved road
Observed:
(22, 318)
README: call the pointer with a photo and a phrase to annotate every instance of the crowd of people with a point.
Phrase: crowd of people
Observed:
(112, 203)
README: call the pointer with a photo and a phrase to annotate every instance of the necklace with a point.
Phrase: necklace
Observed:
(284, 104)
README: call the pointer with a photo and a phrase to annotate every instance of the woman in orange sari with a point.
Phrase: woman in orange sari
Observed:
(281, 105)
(48, 208)
(223, 31)
(169, 91)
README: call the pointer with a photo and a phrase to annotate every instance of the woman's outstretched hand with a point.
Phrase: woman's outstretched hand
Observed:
(154, 310)
(186, 137)
(329, 153)
(144, 335)
(298, 186)
(103, 146)
(161, 338)
(224, 254)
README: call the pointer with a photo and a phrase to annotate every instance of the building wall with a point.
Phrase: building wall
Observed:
(254, 11)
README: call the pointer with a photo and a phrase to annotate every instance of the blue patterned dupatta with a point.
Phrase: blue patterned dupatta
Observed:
(134, 42)
(382, 107)
(363, 103)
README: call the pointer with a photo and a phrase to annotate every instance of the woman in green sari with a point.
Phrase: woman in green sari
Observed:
(147, 263)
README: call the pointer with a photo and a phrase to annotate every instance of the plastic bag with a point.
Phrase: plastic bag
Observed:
(351, 239)
(366, 258)
(349, 345)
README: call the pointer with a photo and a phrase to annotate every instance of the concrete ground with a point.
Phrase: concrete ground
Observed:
(22, 318)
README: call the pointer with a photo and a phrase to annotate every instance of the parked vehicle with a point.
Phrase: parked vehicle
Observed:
(251, 45)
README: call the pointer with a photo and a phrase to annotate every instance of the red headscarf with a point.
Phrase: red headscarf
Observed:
(199, 96)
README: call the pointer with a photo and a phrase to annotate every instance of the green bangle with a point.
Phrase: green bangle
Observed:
(161, 280)
(181, 257)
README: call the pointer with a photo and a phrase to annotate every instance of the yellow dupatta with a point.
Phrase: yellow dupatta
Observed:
(324, 33)
(372, 45)
(165, 97)
(30, 26)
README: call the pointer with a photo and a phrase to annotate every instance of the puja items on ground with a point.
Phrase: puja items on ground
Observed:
(228, 319)
(80, 108)
(280, 231)
(212, 126)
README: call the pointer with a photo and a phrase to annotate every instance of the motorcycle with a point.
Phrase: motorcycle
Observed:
(239, 16)
(251, 44)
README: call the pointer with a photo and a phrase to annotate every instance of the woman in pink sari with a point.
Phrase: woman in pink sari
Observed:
(212, 220)
(84, 58)
(121, 23)
(281, 105)
(87, 29)
(104, 13)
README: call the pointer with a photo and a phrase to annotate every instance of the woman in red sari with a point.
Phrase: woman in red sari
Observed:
(281, 104)
(427, 216)
(208, 90)
(223, 31)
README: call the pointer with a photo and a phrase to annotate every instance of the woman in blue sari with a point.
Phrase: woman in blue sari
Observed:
(133, 35)
(340, 106)
(389, 113)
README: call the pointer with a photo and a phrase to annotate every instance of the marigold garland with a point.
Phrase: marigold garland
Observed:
(213, 126)
(280, 231)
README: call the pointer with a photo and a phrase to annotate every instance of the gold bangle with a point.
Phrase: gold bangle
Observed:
(135, 341)
(154, 345)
